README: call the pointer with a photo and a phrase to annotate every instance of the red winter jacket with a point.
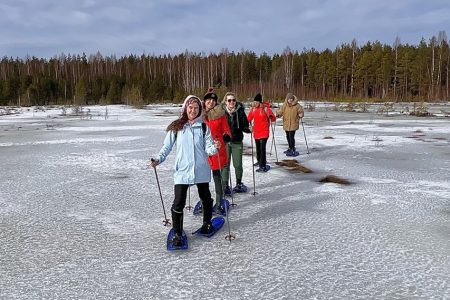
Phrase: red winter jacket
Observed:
(219, 127)
(260, 117)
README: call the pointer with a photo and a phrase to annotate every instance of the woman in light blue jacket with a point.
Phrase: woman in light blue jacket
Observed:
(194, 144)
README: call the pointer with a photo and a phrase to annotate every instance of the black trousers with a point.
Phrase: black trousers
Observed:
(180, 202)
(261, 152)
(181, 193)
(290, 136)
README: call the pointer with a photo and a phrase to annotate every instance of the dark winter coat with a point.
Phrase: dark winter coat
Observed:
(237, 121)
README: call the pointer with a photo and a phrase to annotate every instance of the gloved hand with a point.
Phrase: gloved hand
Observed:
(217, 144)
(154, 162)
(226, 138)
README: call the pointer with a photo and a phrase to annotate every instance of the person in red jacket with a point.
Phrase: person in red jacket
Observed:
(216, 120)
(261, 115)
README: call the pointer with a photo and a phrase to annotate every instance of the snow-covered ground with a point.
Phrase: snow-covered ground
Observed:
(81, 216)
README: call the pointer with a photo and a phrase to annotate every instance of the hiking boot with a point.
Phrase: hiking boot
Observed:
(206, 228)
(219, 210)
(256, 164)
(228, 191)
(240, 188)
(292, 153)
(260, 170)
(287, 151)
(263, 169)
(177, 240)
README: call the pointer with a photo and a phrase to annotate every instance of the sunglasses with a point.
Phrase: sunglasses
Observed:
(231, 100)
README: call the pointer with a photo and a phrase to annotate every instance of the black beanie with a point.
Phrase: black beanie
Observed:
(258, 98)
(210, 95)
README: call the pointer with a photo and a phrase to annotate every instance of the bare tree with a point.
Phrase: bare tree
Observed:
(433, 43)
(442, 38)
(223, 63)
(288, 66)
(397, 43)
(353, 67)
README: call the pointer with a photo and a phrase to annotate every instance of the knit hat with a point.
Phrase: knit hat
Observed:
(189, 100)
(289, 96)
(258, 98)
(210, 95)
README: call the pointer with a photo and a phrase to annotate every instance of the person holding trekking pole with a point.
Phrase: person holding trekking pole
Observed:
(214, 117)
(238, 123)
(261, 115)
(194, 144)
(292, 112)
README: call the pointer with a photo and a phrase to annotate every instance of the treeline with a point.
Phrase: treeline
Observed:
(374, 71)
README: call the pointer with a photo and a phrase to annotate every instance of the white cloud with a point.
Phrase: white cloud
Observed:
(44, 27)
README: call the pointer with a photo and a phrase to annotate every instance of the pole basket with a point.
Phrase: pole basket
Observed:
(166, 222)
(233, 205)
(189, 208)
(230, 237)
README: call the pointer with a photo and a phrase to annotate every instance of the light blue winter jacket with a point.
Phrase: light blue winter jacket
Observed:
(191, 161)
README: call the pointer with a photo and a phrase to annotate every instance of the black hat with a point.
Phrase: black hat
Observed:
(258, 98)
(210, 95)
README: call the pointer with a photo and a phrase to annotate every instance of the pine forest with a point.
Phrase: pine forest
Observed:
(371, 72)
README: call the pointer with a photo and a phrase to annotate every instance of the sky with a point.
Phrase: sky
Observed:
(45, 28)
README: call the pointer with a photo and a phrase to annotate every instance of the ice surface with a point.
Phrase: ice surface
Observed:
(81, 216)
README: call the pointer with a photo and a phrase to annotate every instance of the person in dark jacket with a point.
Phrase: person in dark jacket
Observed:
(238, 123)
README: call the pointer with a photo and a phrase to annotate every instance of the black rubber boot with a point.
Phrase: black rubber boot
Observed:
(177, 221)
(206, 228)
(207, 211)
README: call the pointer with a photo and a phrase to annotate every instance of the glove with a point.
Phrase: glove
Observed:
(226, 138)
(154, 162)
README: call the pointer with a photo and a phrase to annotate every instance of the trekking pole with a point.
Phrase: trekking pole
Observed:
(166, 221)
(230, 236)
(253, 164)
(231, 187)
(307, 148)
(273, 140)
(189, 207)
(271, 145)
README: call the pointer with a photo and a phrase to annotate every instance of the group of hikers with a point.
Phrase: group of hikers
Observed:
(209, 136)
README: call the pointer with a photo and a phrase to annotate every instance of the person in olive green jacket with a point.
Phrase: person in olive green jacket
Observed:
(291, 111)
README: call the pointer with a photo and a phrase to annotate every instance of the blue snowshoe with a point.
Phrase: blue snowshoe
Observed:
(176, 242)
(240, 188)
(222, 210)
(228, 191)
(292, 153)
(198, 209)
(264, 169)
(209, 229)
